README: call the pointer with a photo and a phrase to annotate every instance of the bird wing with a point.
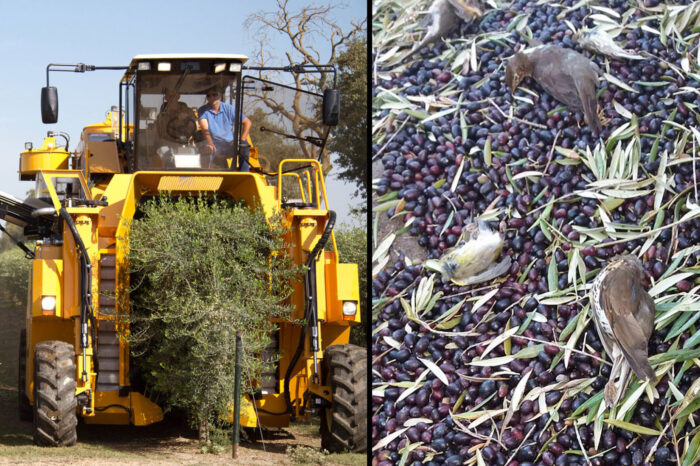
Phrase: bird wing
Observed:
(621, 297)
(646, 308)
(585, 86)
(491, 273)
(550, 73)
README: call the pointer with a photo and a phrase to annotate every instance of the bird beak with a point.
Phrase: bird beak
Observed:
(514, 83)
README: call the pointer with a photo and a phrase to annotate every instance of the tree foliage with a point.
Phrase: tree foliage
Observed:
(201, 270)
(350, 136)
(14, 276)
(272, 148)
(352, 248)
(314, 38)
(6, 241)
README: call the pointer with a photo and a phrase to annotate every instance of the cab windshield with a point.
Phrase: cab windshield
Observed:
(168, 135)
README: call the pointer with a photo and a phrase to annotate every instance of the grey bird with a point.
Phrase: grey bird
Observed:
(598, 41)
(443, 17)
(623, 313)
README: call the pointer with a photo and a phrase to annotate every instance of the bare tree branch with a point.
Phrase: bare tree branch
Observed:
(315, 38)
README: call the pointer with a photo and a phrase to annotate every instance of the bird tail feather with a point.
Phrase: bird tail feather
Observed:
(489, 274)
(639, 360)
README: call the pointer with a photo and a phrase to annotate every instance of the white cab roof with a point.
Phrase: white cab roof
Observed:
(191, 56)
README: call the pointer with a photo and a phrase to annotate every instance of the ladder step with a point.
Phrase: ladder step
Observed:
(107, 300)
(107, 285)
(108, 260)
(108, 364)
(107, 338)
(108, 351)
(108, 377)
(101, 387)
(107, 310)
(107, 325)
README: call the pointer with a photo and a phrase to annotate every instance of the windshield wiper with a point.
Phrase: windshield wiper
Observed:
(318, 142)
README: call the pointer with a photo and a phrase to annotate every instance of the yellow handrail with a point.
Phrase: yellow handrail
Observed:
(301, 187)
(318, 176)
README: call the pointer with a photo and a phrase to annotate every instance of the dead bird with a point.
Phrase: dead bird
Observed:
(623, 313)
(443, 17)
(565, 74)
(472, 259)
(598, 41)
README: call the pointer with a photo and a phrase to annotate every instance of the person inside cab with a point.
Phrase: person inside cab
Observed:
(176, 122)
(217, 120)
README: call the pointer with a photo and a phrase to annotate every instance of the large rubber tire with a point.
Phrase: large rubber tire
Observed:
(25, 410)
(55, 404)
(344, 423)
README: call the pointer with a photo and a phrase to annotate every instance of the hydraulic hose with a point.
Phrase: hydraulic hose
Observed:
(310, 314)
(86, 311)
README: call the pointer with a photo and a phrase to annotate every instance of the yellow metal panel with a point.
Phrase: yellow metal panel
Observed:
(113, 415)
(102, 157)
(48, 276)
(30, 163)
(342, 284)
(248, 418)
(119, 193)
(321, 307)
(48, 252)
(275, 404)
(46, 157)
(144, 411)
(190, 183)
(335, 333)
(70, 275)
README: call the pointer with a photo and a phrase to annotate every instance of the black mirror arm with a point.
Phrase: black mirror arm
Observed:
(78, 68)
(299, 68)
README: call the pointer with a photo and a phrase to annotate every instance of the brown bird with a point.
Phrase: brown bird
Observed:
(565, 74)
(623, 313)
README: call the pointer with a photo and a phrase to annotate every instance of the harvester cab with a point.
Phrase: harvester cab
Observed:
(150, 144)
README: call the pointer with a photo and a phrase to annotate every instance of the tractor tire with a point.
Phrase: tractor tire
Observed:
(25, 410)
(344, 423)
(55, 418)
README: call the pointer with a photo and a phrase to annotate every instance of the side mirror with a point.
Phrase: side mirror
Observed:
(331, 106)
(49, 104)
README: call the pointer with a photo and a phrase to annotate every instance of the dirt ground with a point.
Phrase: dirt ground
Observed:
(167, 442)
(385, 226)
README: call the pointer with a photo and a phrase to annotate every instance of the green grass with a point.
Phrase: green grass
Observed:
(313, 456)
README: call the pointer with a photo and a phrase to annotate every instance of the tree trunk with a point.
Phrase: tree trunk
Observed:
(203, 430)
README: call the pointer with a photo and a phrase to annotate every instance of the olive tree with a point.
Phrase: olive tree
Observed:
(201, 270)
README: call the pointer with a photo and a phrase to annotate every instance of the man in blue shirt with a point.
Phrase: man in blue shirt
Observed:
(216, 120)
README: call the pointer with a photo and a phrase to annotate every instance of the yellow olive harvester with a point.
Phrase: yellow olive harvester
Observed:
(79, 281)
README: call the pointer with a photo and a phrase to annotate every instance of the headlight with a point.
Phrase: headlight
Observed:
(349, 308)
(48, 305)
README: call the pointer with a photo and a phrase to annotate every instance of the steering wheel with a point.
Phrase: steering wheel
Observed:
(181, 129)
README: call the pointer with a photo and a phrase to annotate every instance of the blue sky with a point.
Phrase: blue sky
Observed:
(37, 33)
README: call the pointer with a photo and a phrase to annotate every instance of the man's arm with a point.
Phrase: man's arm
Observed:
(204, 124)
(246, 124)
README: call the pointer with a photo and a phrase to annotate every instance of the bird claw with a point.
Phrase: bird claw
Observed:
(604, 121)
(610, 392)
